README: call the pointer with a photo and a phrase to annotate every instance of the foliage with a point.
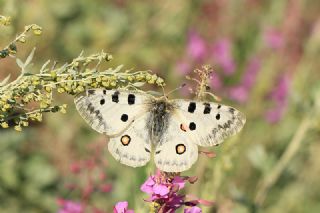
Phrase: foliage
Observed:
(72, 78)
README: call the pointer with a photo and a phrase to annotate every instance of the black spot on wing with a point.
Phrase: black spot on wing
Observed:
(104, 91)
(207, 108)
(192, 126)
(124, 117)
(131, 99)
(231, 110)
(218, 116)
(115, 97)
(91, 91)
(102, 101)
(192, 107)
(90, 108)
(147, 150)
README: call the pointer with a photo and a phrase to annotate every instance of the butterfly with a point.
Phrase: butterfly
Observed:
(138, 123)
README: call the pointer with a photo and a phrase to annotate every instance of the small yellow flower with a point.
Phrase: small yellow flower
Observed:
(18, 128)
(4, 125)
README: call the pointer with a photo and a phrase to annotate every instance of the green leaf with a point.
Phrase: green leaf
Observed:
(30, 57)
(20, 63)
(5, 81)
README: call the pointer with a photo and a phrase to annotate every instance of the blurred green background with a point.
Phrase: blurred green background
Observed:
(265, 57)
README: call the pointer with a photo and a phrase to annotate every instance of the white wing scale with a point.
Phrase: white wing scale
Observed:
(137, 151)
(191, 124)
(103, 109)
(167, 156)
(119, 114)
(210, 123)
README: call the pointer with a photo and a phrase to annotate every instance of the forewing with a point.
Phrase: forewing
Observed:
(209, 123)
(176, 152)
(111, 111)
(132, 147)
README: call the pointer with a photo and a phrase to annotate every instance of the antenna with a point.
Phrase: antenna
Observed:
(178, 88)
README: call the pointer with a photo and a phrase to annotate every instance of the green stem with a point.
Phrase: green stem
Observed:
(282, 164)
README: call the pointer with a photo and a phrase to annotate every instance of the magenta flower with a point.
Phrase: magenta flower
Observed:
(275, 114)
(222, 54)
(216, 82)
(194, 209)
(273, 38)
(68, 206)
(241, 92)
(183, 67)
(160, 189)
(163, 190)
(279, 95)
(196, 46)
(251, 71)
(122, 207)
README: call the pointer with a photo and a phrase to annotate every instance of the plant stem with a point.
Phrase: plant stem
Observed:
(285, 159)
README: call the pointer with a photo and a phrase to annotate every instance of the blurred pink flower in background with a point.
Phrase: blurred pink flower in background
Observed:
(250, 75)
(183, 67)
(222, 54)
(241, 92)
(196, 48)
(279, 95)
(215, 81)
(87, 179)
(122, 207)
(273, 38)
(68, 206)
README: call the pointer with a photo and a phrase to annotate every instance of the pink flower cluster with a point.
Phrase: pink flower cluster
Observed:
(163, 191)
(68, 206)
(87, 178)
(279, 96)
(198, 51)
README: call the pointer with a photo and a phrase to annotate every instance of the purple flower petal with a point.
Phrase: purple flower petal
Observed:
(196, 46)
(121, 207)
(147, 186)
(178, 181)
(160, 189)
(194, 209)
(281, 90)
(250, 74)
(70, 207)
(183, 67)
(215, 82)
(222, 54)
(279, 95)
(239, 93)
(273, 38)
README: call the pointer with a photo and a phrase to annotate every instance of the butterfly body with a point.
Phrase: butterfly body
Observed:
(158, 119)
(138, 123)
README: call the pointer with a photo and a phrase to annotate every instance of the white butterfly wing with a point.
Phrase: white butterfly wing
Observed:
(111, 111)
(209, 123)
(176, 151)
(122, 116)
(132, 147)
